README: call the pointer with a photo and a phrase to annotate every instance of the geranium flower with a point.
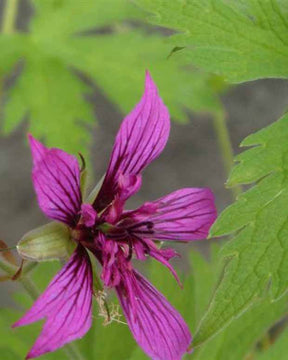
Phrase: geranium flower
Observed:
(115, 236)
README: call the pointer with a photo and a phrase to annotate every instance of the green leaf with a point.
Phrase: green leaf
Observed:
(52, 96)
(256, 260)
(109, 47)
(276, 351)
(180, 87)
(194, 298)
(61, 18)
(241, 335)
(241, 40)
(205, 274)
(12, 48)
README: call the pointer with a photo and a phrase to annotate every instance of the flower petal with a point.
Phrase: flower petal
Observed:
(89, 215)
(157, 327)
(56, 179)
(66, 305)
(142, 136)
(184, 215)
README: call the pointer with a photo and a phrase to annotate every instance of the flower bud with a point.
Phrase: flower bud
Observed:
(49, 242)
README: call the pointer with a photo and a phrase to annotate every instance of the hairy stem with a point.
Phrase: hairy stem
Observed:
(9, 16)
(225, 147)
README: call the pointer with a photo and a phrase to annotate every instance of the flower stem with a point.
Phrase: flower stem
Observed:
(30, 266)
(29, 286)
(9, 16)
(225, 145)
(9, 269)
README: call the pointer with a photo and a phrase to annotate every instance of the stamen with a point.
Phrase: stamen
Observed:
(148, 224)
(113, 315)
(130, 244)
(103, 307)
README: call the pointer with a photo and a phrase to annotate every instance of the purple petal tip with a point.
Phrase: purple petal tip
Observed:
(37, 148)
(149, 82)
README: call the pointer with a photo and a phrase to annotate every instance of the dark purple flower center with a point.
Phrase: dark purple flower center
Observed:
(114, 236)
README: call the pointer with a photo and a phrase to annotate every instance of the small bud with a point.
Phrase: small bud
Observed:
(49, 242)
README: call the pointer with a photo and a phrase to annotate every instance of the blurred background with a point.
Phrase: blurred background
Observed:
(192, 156)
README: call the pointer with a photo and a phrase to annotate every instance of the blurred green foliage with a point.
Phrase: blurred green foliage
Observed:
(70, 43)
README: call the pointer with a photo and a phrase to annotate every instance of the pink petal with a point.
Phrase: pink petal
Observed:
(56, 179)
(142, 136)
(157, 327)
(184, 215)
(66, 306)
(89, 215)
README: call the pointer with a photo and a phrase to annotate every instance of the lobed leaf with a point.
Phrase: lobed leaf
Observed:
(51, 96)
(256, 260)
(117, 63)
(241, 40)
(111, 46)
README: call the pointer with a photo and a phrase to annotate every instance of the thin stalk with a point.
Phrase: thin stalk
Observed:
(225, 145)
(9, 269)
(9, 16)
(29, 286)
(29, 267)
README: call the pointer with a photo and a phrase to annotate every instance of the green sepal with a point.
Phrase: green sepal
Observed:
(83, 182)
(92, 196)
(48, 242)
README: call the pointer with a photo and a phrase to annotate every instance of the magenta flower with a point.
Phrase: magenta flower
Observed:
(115, 236)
